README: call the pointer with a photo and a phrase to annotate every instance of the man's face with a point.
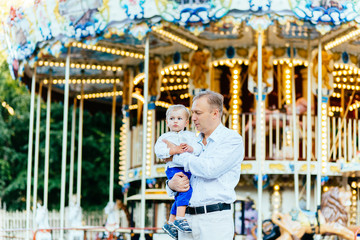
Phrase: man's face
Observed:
(201, 114)
(177, 120)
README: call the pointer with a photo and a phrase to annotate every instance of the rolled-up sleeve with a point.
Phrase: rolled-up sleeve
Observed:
(218, 160)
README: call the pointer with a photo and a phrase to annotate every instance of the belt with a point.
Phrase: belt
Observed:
(208, 208)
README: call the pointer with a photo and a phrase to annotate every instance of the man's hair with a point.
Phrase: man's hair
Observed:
(176, 108)
(216, 100)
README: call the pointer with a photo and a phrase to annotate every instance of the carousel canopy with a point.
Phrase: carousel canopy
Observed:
(107, 36)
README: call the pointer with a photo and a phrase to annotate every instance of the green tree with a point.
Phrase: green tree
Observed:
(14, 131)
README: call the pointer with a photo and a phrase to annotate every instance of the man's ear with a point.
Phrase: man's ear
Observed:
(215, 113)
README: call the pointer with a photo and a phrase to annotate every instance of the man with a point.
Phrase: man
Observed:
(215, 172)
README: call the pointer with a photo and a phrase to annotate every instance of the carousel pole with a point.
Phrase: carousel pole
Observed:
(30, 149)
(64, 144)
(145, 110)
(309, 131)
(47, 143)
(295, 129)
(37, 143)
(80, 138)
(72, 150)
(112, 148)
(259, 134)
(319, 99)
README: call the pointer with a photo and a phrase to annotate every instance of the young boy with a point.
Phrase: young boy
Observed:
(177, 117)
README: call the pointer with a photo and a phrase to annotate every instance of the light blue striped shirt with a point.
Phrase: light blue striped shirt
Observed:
(216, 171)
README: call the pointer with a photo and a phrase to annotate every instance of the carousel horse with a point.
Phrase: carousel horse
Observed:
(326, 69)
(113, 216)
(199, 68)
(266, 66)
(153, 77)
(42, 222)
(75, 220)
(331, 218)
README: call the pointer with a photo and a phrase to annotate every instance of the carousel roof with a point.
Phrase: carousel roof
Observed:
(107, 35)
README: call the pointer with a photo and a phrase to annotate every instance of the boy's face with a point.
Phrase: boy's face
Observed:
(177, 120)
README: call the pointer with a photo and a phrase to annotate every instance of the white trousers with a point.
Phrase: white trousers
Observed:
(210, 226)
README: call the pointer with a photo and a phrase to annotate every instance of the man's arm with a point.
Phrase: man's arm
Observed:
(179, 183)
(224, 156)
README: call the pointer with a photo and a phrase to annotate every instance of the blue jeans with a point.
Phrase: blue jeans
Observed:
(181, 198)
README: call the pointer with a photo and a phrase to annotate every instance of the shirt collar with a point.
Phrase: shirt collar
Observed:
(215, 135)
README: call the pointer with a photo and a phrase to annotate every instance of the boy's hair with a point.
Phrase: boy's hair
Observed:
(216, 100)
(178, 107)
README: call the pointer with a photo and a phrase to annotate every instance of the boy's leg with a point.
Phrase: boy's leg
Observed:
(172, 218)
(182, 201)
(180, 212)
(173, 210)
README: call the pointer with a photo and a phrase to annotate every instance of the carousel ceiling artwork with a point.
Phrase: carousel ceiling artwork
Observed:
(53, 24)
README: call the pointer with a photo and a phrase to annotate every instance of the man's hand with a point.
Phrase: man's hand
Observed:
(179, 182)
(186, 147)
(173, 148)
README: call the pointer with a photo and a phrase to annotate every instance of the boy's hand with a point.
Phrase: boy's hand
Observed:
(187, 148)
(173, 148)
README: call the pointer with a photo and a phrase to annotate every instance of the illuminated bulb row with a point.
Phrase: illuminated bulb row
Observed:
(140, 77)
(178, 70)
(108, 50)
(148, 141)
(288, 85)
(353, 208)
(174, 88)
(229, 62)
(342, 39)
(336, 109)
(8, 108)
(183, 96)
(324, 150)
(172, 80)
(80, 66)
(235, 99)
(175, 38)
(134, 106)
(344, 79)
(162, 104)
(296, 62)
(276, 199)
(354, 106)
(138, 96)
(83, 81)
(99, 95)
(288, 138)
(345, 72)
(122, 150)
(336, 95)
(346, 86)
(345, 69)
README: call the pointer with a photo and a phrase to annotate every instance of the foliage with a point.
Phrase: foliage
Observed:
(14, 132)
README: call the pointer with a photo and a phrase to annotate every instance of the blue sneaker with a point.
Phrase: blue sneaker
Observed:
(171, 230)
(182, 225)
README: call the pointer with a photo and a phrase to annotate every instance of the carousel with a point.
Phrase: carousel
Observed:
(296, 109)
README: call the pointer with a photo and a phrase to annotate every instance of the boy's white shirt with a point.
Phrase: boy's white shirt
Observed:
(162, 151)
